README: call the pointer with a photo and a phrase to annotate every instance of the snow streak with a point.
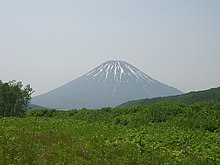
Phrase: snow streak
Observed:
(117, 71)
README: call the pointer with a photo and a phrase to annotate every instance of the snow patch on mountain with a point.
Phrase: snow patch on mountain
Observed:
(118, 71)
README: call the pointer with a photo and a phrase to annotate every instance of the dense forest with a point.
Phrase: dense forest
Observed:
(14, 98)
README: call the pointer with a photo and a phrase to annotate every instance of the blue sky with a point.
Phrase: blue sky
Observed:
(47, 43)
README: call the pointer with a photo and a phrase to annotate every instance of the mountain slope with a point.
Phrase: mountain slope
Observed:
(109, 84)
(34, 106)
(188, 98)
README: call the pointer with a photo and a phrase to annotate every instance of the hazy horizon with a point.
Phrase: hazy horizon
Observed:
(49, 43)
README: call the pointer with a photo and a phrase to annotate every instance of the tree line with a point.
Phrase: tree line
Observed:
(14, 98)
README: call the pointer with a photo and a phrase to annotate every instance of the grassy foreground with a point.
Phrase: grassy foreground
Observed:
(161, 133)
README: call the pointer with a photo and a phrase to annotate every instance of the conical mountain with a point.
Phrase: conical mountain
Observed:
(109, 84)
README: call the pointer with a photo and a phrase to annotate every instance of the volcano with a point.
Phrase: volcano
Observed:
(107, 85)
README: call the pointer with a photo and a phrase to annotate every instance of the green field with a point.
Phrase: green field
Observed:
(161, 133)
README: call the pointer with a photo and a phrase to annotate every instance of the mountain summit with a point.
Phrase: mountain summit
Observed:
(109, 84)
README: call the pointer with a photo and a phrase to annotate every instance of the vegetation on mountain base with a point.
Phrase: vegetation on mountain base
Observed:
(188, 98)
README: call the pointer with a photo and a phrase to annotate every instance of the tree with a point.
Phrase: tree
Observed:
(14, 98)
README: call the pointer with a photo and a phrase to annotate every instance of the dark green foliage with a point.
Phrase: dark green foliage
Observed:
(14, 99)
(161, 112)
(188, 98)
(204, 116)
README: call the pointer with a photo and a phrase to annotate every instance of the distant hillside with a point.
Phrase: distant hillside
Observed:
(34, 106)
(188, 98)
